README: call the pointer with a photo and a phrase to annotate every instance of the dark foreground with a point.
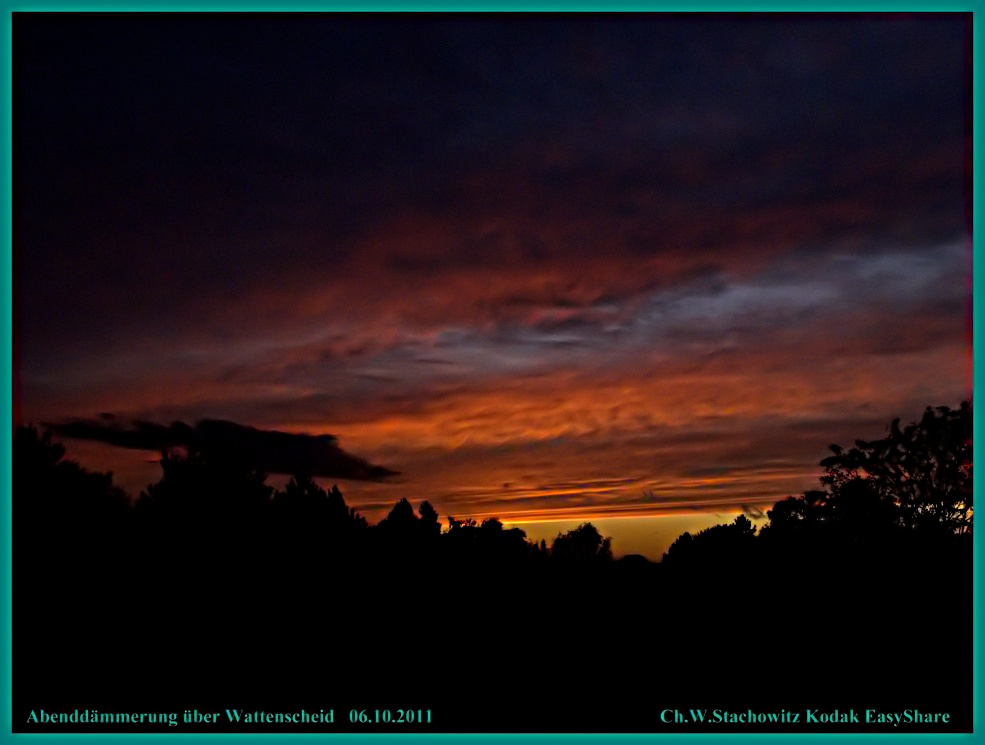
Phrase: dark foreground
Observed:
(501, 649)
(214, 596)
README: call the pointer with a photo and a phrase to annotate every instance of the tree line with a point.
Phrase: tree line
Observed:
(215, 579)
(916, 483)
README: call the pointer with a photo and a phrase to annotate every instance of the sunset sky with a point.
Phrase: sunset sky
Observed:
(638, 270)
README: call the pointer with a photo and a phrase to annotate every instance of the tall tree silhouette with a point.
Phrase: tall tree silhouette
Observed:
(923, 469)
(429, 519)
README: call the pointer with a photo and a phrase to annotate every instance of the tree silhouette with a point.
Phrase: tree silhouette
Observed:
(429, 519)
(582, 545)
(924, 469)
(48, 487)
(722, 545)
(401, 517)
(208, 484)
(297, 574)
(302, 489)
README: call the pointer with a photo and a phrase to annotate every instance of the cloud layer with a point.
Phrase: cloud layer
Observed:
(639, 255)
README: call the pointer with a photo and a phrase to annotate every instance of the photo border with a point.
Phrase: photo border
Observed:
(7, 351)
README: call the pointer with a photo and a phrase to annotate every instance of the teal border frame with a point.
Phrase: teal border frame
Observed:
(9, 7)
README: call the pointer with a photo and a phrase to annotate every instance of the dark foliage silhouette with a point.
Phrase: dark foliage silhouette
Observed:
(923, 470)
(60, 489)
(210, 483)
(582, 545)
(67, 519)
(721, 545)
(290, 597)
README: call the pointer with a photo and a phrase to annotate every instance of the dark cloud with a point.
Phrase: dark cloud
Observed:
(202, 158)
(752, 511)
(268, 450)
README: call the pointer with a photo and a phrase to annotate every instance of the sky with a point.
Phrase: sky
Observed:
(636, 270)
